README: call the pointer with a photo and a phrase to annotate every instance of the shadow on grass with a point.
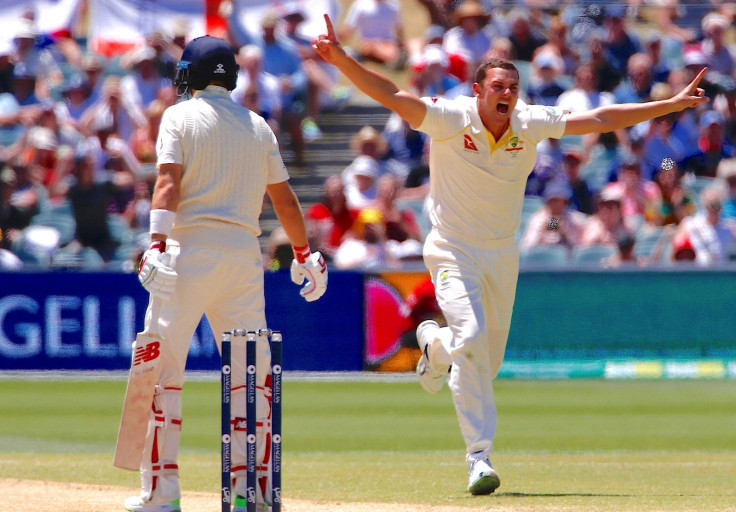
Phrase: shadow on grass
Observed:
(560, 495)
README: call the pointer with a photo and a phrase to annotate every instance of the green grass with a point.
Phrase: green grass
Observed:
(561, 445)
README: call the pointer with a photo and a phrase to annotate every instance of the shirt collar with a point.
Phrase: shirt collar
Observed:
(210, 91)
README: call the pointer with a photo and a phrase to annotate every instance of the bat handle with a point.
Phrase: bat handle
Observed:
(151, 326)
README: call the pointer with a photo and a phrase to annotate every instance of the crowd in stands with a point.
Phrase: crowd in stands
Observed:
(78, 132)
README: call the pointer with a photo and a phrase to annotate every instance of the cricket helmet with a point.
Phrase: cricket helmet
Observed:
(206, 59)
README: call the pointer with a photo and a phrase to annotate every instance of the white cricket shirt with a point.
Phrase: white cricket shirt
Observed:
(476, 183)
(229, 155)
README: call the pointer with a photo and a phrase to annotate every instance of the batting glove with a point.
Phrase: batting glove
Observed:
(154, 272)
(310, 266)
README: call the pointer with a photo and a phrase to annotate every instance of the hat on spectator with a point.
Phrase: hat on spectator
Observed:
(434, 32)
(710, 117)
(694, 57)
(43, 138)
(364, 166)
(141, 54)
(434, 54)
(366, 135)
(180, 28)
(611, 194)
(547, 60)
(7, 176)
(713, 20)
(557, 189)
(270, 19)
(471, 9)
(76, 82)
(26, 29)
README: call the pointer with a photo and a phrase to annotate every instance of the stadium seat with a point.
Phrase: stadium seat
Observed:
(546, 256)
(592, 256)
(64, 223)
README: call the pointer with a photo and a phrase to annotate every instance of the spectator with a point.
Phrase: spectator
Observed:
(558, 46)
(676, 201)
(323, 88)
(405, 145)
(713, 146)
(727, 173)
(281, 59)
(113, 112)
(467, 42)
(621, 43)
(401, 224)
(168, 50)
(143, 141)
(544, 87)
(20, 201)
(523, 40)
(75, 98)
(640, 198)
(606, 76)
(6, 66)
(554, 223)
(38, 63)
(94, 66)
(581, 198)
(638, 84)
(90, 201)
(378, 25)
(607, 225)
(365, 244)
(433, 77)
(143, 82)
(371, 143)
(653, 48)
(331, 216)
(660, 144)
(360, 184)
(718, 57)
(256, 89)
(711, 239)
(625, 255)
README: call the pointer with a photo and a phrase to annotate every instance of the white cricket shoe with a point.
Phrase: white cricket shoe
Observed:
(482, 478)
(431, 381)
(136, 504)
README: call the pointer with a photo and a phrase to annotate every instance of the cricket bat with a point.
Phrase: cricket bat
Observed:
(142, 379)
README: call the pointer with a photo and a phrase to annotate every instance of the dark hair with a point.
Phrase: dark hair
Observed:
(492, 63)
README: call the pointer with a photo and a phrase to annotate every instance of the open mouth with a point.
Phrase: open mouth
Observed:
(502, 108)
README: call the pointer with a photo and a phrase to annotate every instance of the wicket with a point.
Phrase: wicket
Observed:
(275, 340)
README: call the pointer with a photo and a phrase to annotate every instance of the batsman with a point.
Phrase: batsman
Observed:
(215, 162)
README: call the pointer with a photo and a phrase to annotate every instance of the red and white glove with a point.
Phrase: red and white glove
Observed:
(310, 266)
(155, 273)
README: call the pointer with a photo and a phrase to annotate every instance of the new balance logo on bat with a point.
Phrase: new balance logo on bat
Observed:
(147, 353)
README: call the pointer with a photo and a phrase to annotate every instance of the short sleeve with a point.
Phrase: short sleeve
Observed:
(276, 169)
(545, 122)
(444, 118)
(168, 145)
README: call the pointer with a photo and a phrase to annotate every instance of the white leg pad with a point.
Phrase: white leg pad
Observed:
(159, 467)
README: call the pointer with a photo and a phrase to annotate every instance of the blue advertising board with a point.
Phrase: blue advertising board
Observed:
(88, 321)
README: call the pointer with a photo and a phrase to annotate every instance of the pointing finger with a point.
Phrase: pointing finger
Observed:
(330, 28)
(698, 77)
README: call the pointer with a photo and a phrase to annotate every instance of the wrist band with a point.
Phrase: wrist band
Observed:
(162, 221)
(160, 245)
(301, 253)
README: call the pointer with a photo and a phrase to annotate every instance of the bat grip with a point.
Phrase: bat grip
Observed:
(151, 326)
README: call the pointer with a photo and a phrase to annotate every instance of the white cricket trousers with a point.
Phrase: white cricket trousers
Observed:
(227, 287)
(475, 285)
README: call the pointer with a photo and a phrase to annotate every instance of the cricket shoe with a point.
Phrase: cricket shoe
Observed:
(136, 504)
(241, 505)
(482, 478)
(431, 381)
